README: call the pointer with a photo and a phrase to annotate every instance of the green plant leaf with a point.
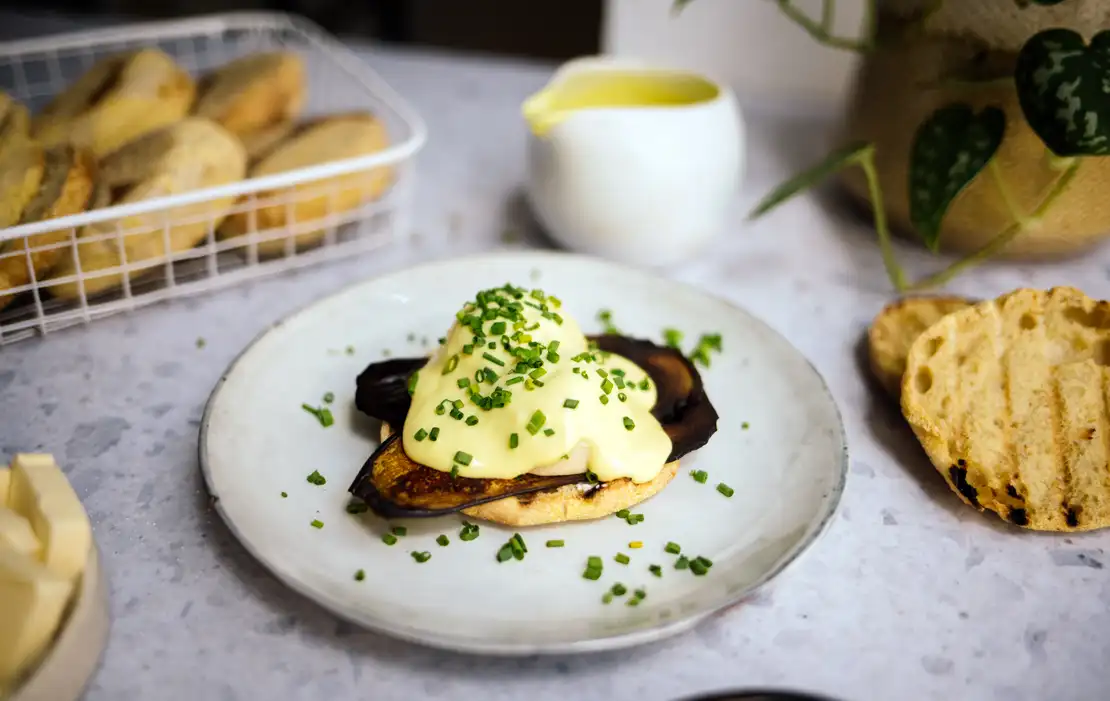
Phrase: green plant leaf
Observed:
(949, 150)
(837, 160)
(1064, 89)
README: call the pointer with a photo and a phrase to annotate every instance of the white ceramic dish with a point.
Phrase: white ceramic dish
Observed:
(787, 469)
(67, 667)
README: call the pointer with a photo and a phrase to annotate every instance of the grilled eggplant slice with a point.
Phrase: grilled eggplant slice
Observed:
(395, 486)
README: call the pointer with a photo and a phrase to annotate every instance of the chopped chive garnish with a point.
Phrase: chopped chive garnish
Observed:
(536, 422)
(440, 411)
(316, 478)
(698, 568)
(518, 542)
(725, 489)
(443, 540)
(463, 382)
(491, 345)
(537, 373)
(655, 570)
(454, 471)
(452, 363)
(592, 574)
(505, 553)
(604, 399)
(389, 539)
(606, 598)
(590, 476)
(636, 544)
(602, 373)
(434, 435)
(458, 404)
(514, 380)
(498, 328)
(700, 476)
(494, 359)
(317, 524)
(422, 556)
(704, 560)
(632, 602)
(322, 414)
(400, 530)
(620, 382)
(514, 441)
(468, 532)
(412, 382)
(456, 414)
(633, 519)
(640, 594)
(570, 403)
(672, 337)
(623, 513)
(463, 458)
(594, 562)
(555, 543)
(745, 426)
(607, 386)
(329, 397)
(644, 384)
(472, 420)
(619, 589)
(549, 432)
(553, 346)
(682, 563)
(357, 507)
(629, 424)
(360, 575)
(284, 495)
(622, 558)
(672, 548)
(622, 396)
(576, 369)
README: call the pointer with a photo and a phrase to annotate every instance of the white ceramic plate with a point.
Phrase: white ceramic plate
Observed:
(787, 468)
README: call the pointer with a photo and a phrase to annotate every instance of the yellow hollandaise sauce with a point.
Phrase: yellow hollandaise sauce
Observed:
(611, 88)
(516, 388)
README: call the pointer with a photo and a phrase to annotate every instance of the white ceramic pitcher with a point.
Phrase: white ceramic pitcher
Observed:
(632, 162)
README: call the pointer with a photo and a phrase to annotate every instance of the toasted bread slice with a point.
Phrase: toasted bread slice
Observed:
(1010, 400)
(572, 502)
(327, 139)
(253, 92)
(119, 99)
(66, 188)
(896, 328)
(192, 154)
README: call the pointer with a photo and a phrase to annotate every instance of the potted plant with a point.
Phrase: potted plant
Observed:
(975, 125)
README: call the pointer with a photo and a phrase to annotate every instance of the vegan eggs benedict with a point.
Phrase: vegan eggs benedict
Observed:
(519, 418)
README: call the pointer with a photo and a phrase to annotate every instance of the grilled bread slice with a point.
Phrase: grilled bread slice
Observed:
(119, 99)
(189, 155)
(66, 188)
(1011, 400)
(253, 92)
(896, 328)
(571, 502)
(320, 141)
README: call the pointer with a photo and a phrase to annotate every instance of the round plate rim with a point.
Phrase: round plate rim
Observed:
(597, 644)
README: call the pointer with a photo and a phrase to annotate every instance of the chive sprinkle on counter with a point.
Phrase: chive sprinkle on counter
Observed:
(421, 557)
(316, 478)
(555, 543)
(593, 568)
(621, 558)
(389, 539)
(725, 489)
(443, 541)
(468, 532)
(360, 575)
(317, 524)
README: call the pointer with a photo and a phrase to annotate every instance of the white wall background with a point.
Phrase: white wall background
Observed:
(748, 44)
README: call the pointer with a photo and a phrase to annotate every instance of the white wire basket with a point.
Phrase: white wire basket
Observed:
(35, 70)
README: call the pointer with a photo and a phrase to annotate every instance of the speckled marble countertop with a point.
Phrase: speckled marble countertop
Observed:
(910, 595)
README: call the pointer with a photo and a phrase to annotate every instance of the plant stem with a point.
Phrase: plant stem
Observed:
(828, 14)
(1003, 239)
(893, 270)
(1004, 192)
(821, 33)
